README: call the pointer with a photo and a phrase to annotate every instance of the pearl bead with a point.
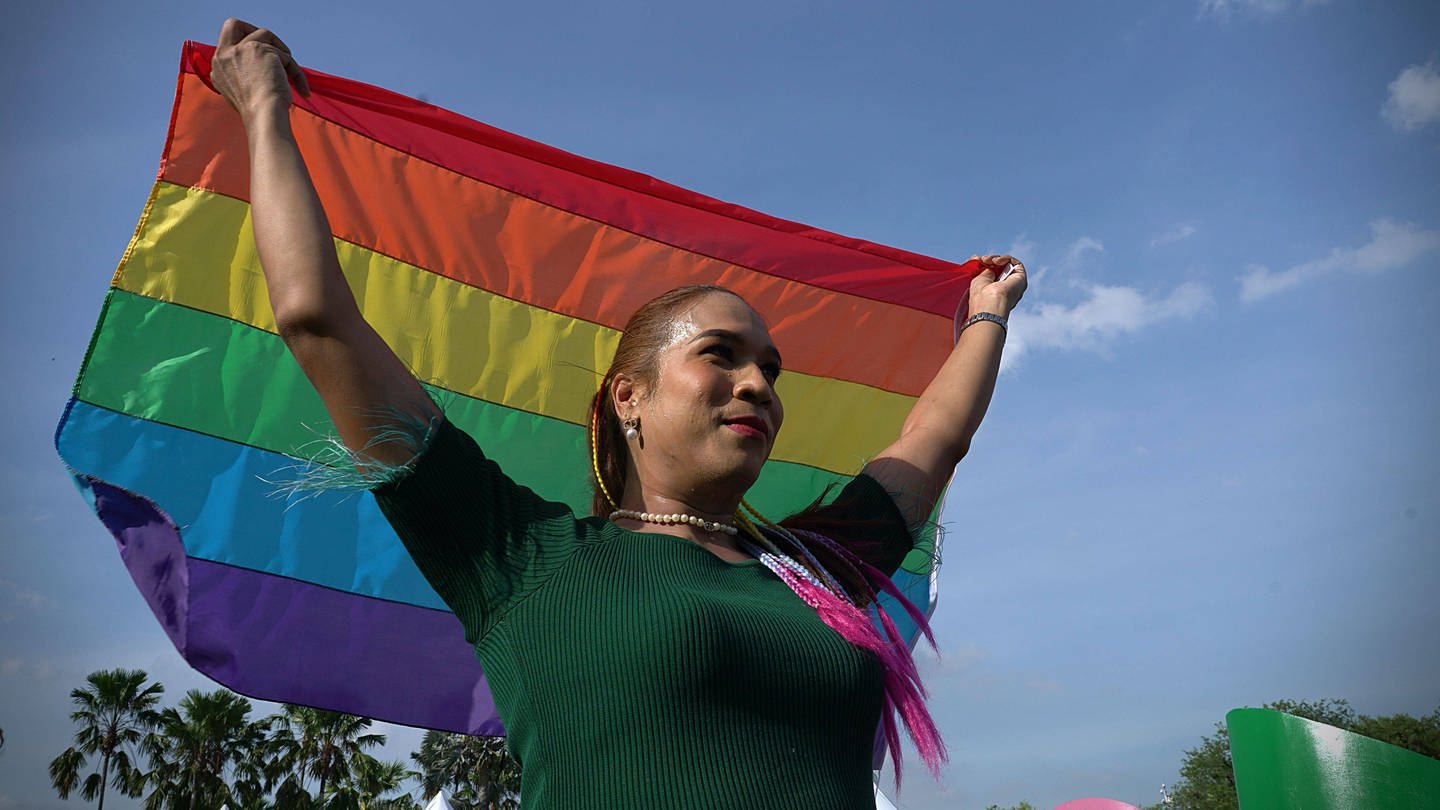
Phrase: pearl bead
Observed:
(670, 520)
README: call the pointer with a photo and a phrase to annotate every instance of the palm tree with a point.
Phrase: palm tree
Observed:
(479, 772)
(371, 780)
(195, 748)
(114, 712)
(308, 743)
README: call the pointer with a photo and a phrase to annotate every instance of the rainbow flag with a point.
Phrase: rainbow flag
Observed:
(500, 270)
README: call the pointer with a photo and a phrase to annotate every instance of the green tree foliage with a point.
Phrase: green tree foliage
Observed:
(201, 754)
(1207, 777)
(1020, 806)
(327, 750)
(478, 772)
(1335, 713)
(372, 780)
(206, 752)
(114, 711)
(1418, 734)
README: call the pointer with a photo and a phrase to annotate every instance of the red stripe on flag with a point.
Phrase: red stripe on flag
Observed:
(630, 200)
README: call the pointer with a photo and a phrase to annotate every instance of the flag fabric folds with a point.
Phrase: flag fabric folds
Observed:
(500, 270)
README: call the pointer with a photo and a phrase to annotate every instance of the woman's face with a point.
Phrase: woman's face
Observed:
(709, 420)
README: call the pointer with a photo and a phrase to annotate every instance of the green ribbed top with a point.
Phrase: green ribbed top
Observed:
(638, 670)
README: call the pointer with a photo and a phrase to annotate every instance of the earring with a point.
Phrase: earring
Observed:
(632, 428)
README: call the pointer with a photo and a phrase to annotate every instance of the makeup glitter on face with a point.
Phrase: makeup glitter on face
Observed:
(683, 328)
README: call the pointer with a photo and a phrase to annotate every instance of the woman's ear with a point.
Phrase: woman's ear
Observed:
(625, 393)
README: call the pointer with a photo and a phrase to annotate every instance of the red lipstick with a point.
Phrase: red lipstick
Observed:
(751, 426)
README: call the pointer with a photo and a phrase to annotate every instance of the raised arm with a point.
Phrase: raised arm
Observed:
(937, 433)
(358, 377)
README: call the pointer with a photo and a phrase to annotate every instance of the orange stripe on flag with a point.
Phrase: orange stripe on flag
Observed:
(455, 226)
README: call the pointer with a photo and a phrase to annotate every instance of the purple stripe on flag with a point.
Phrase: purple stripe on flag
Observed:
(304, 643)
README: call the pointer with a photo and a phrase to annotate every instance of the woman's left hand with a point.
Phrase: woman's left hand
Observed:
(254, 70)
(936, 434)
(999, 286)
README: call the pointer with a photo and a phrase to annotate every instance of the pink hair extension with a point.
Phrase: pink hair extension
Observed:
(904, 693)
(804, 550)
(877, 578)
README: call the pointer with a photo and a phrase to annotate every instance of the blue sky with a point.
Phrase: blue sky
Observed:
(1209, 476)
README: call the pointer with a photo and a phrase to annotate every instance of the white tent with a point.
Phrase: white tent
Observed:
(438, 802)
(881, 802)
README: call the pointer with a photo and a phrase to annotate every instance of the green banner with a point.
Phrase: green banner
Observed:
(1284, 762)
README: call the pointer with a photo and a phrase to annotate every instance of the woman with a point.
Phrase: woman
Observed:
(666, 652)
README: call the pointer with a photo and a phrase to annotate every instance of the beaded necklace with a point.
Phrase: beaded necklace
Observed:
(678, 517)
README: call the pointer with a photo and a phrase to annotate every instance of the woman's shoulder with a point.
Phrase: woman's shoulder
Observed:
(863, 517)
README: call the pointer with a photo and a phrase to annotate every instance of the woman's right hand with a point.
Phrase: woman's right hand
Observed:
(253, 69)
(358, 377)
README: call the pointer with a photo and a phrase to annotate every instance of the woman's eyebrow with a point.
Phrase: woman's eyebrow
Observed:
(735, 337)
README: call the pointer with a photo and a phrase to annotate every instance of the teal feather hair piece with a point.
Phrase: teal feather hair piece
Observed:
(328, 465)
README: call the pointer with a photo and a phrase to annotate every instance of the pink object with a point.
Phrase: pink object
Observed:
(1096, 804)
(904, 694)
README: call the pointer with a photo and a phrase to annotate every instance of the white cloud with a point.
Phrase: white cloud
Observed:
(1391, 246)
(1074, 256)
(1106, 313)
(15, 599)
(1077, 250)
(1185, 230)
(1223, 9)
(1043, 685)
(37, 669)
(1023, 249)
(950, 661)
(1414, 99)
